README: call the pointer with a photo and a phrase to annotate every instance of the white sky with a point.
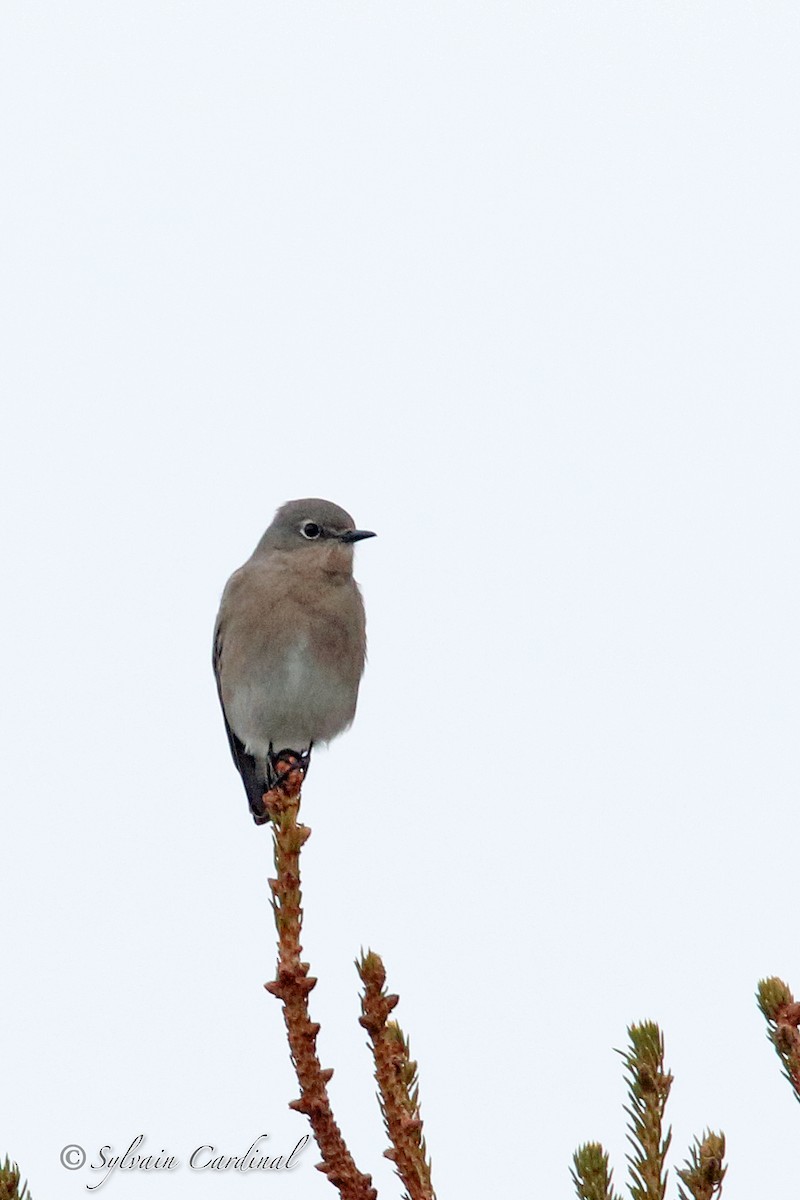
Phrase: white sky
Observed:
(516, 284)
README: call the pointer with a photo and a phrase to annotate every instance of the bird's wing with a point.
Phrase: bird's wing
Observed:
(234, 743)
(245, 763)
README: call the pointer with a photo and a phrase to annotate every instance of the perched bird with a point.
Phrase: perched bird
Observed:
(290, 643)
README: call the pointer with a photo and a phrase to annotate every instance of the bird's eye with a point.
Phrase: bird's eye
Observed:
(310, 530)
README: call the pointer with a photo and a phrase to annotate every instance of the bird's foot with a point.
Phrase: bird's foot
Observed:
(287, 767)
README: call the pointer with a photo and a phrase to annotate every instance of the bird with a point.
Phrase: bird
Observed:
(290, 644)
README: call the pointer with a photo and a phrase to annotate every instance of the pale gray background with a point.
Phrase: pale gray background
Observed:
(518, 286)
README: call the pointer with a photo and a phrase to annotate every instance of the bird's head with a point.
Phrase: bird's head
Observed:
(314, 527)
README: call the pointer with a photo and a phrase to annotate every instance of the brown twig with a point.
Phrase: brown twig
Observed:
(783, 1026)
(705, 1168)
(591, 1174)
(398, 1088)
(9, 1182)
(649, 1085)
(292, 985)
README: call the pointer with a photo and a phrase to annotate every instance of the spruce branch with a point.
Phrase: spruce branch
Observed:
(398, 1082)
(783, 1018)
(704, 1170)
(591, 1175)
(9, 1182)
(648, 1088)
(292, 986)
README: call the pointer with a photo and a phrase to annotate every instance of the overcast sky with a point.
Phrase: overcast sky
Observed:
(517, 285)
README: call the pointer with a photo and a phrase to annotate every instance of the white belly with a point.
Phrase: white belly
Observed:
(295, 703)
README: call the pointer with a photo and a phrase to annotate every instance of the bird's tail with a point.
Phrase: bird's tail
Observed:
(255, 787)
(253, 778)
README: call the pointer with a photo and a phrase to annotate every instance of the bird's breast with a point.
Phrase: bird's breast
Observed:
(298, 685)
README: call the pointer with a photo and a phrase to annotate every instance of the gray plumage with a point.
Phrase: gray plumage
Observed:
(290, 641)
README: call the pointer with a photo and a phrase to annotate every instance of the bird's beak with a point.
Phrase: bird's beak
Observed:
(356, 535)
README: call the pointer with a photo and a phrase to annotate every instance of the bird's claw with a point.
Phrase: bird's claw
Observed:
(282, 764)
